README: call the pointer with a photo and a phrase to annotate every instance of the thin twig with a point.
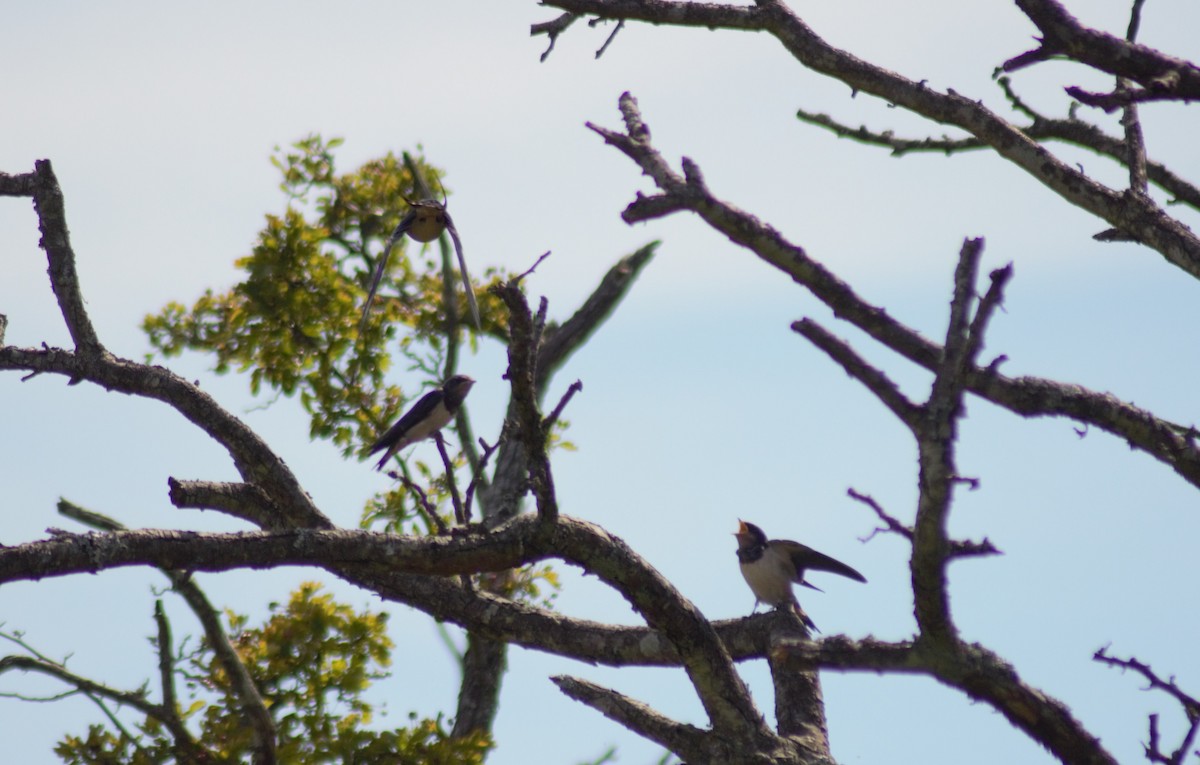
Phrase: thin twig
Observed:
(166, 662)
(423, 504)
(552, 29)
(612, 36)
(519, 278)
(892, 524)
(459, 513)
(1135, 139)
(469, 495)
(552, 418)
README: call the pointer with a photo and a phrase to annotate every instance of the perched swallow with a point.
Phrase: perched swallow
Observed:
(430, 414)
(770, 567)
(424, 222)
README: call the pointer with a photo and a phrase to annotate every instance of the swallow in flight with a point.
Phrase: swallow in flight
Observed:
(424, 222)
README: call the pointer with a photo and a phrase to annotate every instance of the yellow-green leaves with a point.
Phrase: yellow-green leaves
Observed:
(292, 320)
(312, 659)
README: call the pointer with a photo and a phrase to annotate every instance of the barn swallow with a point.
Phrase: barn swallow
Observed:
(770, 567)
(430, 414)
(424, 222)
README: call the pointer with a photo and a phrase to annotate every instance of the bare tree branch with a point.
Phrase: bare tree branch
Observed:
(500, 618)
(935, 432)
(523, 540)
(685, 740)
(469, 496)
(958, 548)
(970, 668)
(723, 694)
(891, 523)
(552, 418)
(552, 29)
(460, 515)
(56, 241)
(1155, 71)
(562, 340)
(501, 499)
(1135, 140)
(483, 666)
(799, 702)
(1119, 99)
(1072, 131)
(241, 500)
(255, 461)
(246, 693)
(1190, 704)
(525, 417)
(1139, 216)
(166, 660)
(1170, 443)
(874, 379)
(424, 505)
(187, 746)
(194, 551)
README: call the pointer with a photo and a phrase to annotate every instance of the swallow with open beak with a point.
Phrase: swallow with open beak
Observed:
(430, 414)
(425, 221)
(770, 567)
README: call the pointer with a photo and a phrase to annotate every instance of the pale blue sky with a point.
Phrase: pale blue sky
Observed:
(699, 405)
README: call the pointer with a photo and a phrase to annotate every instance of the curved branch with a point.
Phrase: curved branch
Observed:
(874, 379)
(973, 669)
(1138, 216)
(256, 462)
(721, 690)
(543, 630)
(1190, 704)
(1168, 442)
(1153, 70)
(137, 700)
(252, 457)
(687, 741)
(350, 553)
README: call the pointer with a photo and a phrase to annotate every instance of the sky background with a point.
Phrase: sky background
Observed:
(699, 406)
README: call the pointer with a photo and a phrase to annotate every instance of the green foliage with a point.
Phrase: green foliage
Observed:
(311, 660)
(292, 322)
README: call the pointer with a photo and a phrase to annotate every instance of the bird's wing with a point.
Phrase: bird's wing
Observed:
(405, 224)
(804, 557)
(462, 270)
(418, 412)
